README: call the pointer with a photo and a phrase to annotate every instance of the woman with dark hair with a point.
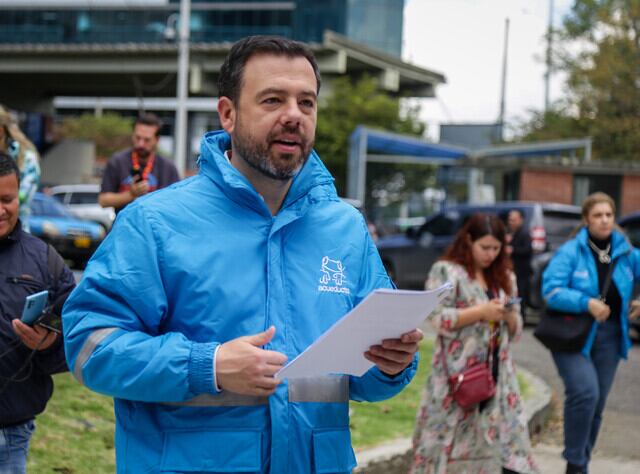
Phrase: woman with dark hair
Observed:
(476, 324)
(573, 283)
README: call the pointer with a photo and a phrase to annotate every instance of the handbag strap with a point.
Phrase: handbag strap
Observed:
(493, 336)
(607, 281)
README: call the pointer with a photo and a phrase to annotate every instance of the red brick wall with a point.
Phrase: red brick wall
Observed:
(546, 186)
(630, 200)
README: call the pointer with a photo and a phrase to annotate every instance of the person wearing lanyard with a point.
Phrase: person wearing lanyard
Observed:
(139, 170)
(571, 283)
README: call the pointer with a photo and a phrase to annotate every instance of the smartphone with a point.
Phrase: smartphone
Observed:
(511, 302)
(34, 306)
(136, 175)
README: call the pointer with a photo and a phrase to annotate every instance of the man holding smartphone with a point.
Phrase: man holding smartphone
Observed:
(28, 354)
(138, 170)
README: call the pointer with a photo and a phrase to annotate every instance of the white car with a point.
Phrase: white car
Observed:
(82, 200)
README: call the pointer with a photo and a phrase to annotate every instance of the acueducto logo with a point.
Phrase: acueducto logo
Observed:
(332, 276)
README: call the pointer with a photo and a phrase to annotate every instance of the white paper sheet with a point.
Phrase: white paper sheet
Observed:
(384, 314)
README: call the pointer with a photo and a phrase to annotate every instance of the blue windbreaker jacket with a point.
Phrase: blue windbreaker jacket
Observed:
(571, 280)
(203, 262)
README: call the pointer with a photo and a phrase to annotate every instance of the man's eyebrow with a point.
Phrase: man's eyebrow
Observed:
(276, 90)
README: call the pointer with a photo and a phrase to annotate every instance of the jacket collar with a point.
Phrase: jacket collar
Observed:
(14, 235)
(215, 165)
(619, 243)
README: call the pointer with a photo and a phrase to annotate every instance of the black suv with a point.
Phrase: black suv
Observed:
(408, 257)
(631, 225)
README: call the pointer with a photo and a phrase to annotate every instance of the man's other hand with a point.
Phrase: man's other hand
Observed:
(243, 367)
(395, 355)
(139, 189)
(32, 336)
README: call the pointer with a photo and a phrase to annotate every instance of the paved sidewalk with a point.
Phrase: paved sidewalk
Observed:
(549, 459)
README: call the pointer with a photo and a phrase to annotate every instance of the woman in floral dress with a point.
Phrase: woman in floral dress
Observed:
(492, 437)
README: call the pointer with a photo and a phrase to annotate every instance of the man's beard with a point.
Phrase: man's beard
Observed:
(258, 155)
(142, 153)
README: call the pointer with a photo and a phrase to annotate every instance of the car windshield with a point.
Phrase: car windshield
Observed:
(84, 198)
(41, 206)
(559, 223)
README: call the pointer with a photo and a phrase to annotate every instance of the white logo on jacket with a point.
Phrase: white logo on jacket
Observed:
(332, 272)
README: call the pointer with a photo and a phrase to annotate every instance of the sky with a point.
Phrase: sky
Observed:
(464, 41)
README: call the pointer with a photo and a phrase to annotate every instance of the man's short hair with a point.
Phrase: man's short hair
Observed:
(149, 119)
(232, 70)
(9, 166)
(520, 212)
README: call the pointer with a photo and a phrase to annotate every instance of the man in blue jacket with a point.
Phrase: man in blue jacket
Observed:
(28, 354)
(202, 291)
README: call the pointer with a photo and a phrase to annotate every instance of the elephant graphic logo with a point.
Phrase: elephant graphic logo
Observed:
(332, 271)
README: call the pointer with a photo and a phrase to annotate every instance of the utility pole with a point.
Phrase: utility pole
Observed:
(547, 74)
(504, 78)
(180, 133)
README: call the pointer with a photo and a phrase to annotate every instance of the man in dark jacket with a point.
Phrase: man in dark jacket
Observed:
(520, 250)
(28, 354)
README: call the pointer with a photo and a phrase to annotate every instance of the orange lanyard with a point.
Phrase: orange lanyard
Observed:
(147, 168)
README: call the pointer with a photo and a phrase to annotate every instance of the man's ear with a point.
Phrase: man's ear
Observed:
(227, 113)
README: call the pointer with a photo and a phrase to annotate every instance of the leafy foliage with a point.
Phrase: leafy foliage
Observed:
(361, 103)
(600, 52)
(110, 132)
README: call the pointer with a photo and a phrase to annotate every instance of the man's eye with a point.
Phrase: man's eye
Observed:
(307, 103)
(271, 100)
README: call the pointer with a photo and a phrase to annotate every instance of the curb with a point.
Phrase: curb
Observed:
(394, 456)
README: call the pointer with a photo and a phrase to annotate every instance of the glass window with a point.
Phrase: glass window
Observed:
(84, 198)
(632, 229)
(560, 224)
(441, 224)
(49, 207)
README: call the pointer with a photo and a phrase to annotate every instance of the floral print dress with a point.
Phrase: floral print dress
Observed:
(448, 439)
(29, 181)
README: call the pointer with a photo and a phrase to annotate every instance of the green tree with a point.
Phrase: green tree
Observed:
(110, 132)
(360, 102)
(600, 52)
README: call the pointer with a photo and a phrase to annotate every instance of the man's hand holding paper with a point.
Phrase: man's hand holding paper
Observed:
(392, 356)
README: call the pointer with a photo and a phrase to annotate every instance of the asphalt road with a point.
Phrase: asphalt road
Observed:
(620, 433)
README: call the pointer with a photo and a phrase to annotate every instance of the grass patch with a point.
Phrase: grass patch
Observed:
(374, 423)
(75, 433)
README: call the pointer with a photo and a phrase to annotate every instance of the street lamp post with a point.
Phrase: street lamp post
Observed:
(180, 133)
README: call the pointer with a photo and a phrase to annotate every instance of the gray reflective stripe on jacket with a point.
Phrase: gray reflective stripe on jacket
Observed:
(89, 346)
(326, 389)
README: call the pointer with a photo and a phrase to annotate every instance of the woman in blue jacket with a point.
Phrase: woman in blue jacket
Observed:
(572, 283)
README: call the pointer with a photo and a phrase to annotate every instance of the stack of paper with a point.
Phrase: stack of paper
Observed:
(384, 314)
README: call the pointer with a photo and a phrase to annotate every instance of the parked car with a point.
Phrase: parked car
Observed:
(409, 256)
(74, 238)
(631, 225)
(82, 199)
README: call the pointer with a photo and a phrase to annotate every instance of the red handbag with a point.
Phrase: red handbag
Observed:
(474, 384)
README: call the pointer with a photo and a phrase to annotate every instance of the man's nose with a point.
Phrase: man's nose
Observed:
(291, 115)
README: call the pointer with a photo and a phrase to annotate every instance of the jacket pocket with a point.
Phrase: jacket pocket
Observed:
(332, 451)
(212, 451)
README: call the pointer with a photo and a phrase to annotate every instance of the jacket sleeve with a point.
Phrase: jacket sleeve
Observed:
(635, 264)
(52, 360)
(374, 385)
(556, 278)
(112, 322)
